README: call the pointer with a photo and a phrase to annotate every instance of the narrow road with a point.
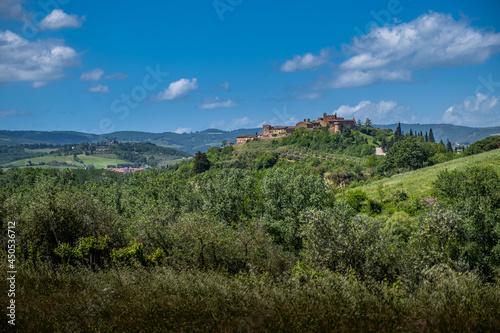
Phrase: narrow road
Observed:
(379, 151)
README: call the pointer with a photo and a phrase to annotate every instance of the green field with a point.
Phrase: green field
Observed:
(46, 159)
(41, 150)
(98, 162)
(419, 183)
(101, 162)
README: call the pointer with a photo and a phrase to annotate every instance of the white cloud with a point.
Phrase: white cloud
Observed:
(222, 86)
(358, 78)
(13, 112)
(306, 62)
(99, 88)
(58, 19)
(392, 53)
(383, 112)
(308, 96)
(177, 89)
(215, 103)
(481, 111)
(235, 123)
(38, 61)
(93, 75)
(12, 9)
(181, 130)
(38, 84)
(116, 76)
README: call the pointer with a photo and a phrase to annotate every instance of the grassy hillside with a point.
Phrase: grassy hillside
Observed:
(419, 183)
(98, 162)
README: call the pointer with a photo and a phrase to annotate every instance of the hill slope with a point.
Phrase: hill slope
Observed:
(419, 183)
(188, 142)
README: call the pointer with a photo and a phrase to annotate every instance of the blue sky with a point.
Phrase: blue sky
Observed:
(160, 66)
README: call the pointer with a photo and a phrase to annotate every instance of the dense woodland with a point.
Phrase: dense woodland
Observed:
(274, 239)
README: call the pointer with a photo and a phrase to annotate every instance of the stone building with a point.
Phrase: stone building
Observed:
(244, 138)
(335, 125)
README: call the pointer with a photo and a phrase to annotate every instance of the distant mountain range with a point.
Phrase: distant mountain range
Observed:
(188, 142)
(458, 135)
(194, 141)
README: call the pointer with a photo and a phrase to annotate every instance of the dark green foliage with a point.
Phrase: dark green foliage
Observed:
(490, 143)
(286, 193)
(431, 136)
(201, 163)
(241, 249)
(476, 193)
(407, 154)
(350, 143)
(265, 160)
(449, 147)
(338, 241)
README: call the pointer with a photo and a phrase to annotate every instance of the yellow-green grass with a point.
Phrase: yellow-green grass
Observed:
(98, 162)
(46, 159)
(101, 162)
(419, 183)
(40, 150)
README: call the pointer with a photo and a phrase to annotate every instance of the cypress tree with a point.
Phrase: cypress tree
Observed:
(431, 136)
(448, 145)
(411, 132)
(397, 134)
(426, 137)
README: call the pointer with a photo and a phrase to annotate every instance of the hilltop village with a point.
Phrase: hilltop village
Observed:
(335, 124)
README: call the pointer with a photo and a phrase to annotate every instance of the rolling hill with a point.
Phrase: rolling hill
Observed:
(419, 183)
(188, 142)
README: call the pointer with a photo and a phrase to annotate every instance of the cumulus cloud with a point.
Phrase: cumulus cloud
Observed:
(99, 88)
(181, 130)
(12, 9)
(13, 112)
(93, 75)
(38, 84)
(177, 89)
(481, 111)
(357, 78)
(383, 112)
(308, 96)
(58, 19)
(215, 103)
(393, 52)
(222, 86)
(38, 61)
(306, 62)
(116, 76)
(235, 123)
(280, 118)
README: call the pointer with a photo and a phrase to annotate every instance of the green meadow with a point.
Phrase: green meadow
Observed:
(419, 183)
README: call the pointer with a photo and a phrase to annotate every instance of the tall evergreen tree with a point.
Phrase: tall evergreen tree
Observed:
(426, 137)
(201, 163)
(397, 134)
(431, 136)
(383, 144)
(448, 145)
(411, 132)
